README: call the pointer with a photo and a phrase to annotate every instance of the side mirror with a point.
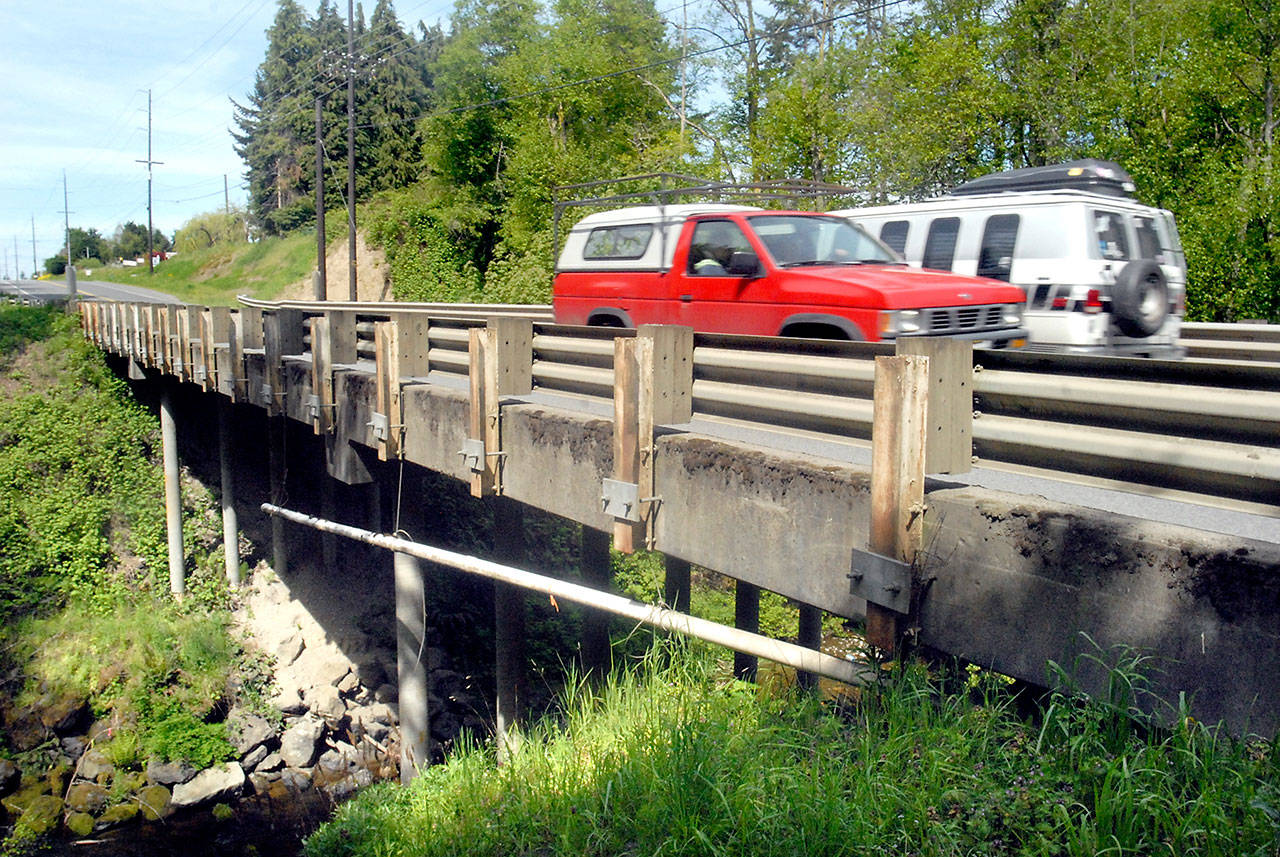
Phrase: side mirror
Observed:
(744, 264)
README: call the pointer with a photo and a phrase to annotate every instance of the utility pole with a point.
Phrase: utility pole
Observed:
(34, 267)
(226, 195)
(151, 265)
(66, 214)
(351, 150)
(321, 285)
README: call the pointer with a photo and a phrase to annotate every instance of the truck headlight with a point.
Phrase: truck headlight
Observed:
(1012, 315)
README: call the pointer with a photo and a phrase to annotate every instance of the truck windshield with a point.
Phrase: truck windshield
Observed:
(814, 239)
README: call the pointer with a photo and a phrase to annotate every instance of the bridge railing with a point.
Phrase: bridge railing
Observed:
(1208, 427)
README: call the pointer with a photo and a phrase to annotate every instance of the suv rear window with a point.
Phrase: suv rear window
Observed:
(995, 258)
(627, 241)
(940, 246)
(1148, 240)
(1113, 243)
(894, 233)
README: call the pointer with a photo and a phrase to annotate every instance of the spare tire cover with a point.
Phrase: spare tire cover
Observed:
(1140, 298)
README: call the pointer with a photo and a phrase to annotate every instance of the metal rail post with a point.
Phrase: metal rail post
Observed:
(746, 617)
(411, 667)
(508, 620)
(676, 585)
(809, 635)
(172, 494)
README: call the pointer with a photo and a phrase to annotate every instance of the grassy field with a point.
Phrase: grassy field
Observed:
(215, 276)
(674, 758)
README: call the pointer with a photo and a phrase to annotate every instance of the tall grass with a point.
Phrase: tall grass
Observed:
(670, 759)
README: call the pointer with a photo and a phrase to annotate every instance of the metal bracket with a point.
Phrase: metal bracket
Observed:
(620, 499)
(314, 407)
(881, 580)
(201, 373)
(472, 453)
(381, 425)
(265, 395)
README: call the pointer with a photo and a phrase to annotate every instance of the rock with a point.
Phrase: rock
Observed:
(289, 701)
(94, 765)
(372, 720)
(350, 682)
(169, 773)
(74, 747)
(289, 649)
(294, 780)
(65, 714)
(222, 783)
(325, 702)
(42, 814)
(370, 673)
(10, 776)
(80, 823)
(247, 731)
(116, 815)
(87, 797)
(260, 783)
(332, 767)
(26, 732)
(300, 742)
(319, 666)
(153, 802)
(386, 693)
(339, 790)
(273, 762)
(256, 755)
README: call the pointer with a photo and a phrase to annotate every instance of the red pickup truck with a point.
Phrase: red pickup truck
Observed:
(739, 269)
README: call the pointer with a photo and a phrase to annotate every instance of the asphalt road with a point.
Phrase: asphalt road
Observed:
(43, 291)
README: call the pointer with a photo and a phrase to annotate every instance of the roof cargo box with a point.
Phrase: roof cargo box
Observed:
(1102, 177)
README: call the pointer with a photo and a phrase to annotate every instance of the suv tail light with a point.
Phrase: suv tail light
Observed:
(1093, 301)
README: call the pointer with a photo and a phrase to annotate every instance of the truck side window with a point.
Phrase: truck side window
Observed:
(714, 242)
(995, 257)
(940, 246)
(628, 241)
(894, 233)
(1112, 241)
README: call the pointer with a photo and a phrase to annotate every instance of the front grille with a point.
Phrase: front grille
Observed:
(964, 319)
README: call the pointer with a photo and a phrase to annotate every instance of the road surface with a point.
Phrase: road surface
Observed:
(43, 291)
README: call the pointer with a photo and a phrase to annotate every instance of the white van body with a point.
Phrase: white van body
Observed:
(1067, 249)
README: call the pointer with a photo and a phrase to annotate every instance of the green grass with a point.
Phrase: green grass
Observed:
(216, 275)
(672, 759)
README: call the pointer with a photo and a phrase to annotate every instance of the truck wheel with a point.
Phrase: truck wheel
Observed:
(1140, 298)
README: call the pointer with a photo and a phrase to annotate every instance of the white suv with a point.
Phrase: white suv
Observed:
(1103, 273)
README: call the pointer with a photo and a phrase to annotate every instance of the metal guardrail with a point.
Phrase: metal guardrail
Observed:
(1209, 427)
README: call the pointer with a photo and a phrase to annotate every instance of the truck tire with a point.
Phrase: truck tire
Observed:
(1140, 298)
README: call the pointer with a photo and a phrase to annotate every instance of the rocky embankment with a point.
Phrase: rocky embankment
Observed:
(331, 729)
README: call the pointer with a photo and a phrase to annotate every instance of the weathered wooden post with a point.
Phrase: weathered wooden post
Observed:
(508, 619)
(411, 667)
(897, 488)
(172, 494)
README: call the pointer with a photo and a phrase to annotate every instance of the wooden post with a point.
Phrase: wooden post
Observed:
(238, 382)
(664, 354)
(949, 433)
(414, 341)
(483, 472)
(322, 375)
(172, 494)
(897, 477)
(411, 667)
(746, 617)
(597, 572)
(387, 354)
(501, 365)
(627, 534)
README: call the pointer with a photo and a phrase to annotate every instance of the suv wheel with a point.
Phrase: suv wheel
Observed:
(1140, 298)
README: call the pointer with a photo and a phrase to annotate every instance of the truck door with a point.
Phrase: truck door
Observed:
(710, 296)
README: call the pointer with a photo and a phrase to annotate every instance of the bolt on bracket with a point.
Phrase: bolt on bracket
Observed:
(621, 500)
(881, 580)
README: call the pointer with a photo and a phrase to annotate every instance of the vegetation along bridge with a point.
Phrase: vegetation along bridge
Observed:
(1111, 503)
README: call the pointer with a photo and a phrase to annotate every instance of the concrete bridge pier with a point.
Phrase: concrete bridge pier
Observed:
(676, 586)
(596, 568)
(172, 492)
(411, 667)
(809, 636)
(230, 525)
(277, 471)
(508, 624)
(746, 617)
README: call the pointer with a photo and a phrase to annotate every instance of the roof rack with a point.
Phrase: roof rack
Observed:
(1089, 174)
(661, 189)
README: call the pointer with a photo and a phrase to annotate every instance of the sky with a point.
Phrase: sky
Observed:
(76, 74)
